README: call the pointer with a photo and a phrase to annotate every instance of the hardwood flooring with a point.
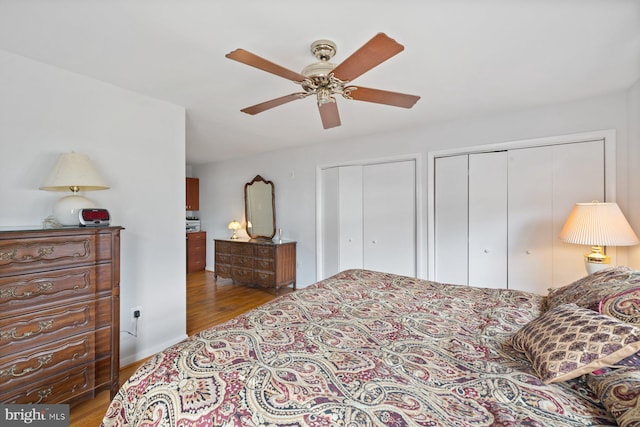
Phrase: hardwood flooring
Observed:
(209, 302)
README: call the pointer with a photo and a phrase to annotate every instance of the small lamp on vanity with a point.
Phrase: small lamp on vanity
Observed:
(73, 172)
(597, 224)
(235, 226)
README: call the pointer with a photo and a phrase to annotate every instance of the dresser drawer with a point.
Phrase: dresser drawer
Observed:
(40, 289)
(55, 389)
(36, 328)
(242, 261)
(265, 264)
(265, 251)
(20, 256)
(223, 247)
(46, 360)
(223, 270)
(242, 274)
(241, 249)
(264, 278)
(223, 259)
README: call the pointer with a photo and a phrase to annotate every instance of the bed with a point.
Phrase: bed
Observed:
(365, 348)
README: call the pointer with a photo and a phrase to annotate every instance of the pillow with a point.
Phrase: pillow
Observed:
(623, 306)
(568, 341)
(590, 290)
(619, 392)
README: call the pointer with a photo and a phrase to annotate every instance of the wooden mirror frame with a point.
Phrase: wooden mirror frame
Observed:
(250, 213)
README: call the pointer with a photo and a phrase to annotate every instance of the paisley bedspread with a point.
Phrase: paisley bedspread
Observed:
(361, 348)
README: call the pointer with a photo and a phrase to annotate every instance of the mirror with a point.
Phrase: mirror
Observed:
(259, 208)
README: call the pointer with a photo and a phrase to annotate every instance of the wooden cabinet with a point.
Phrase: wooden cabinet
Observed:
(196, 251)
(266, 264)
(193, 194)
(59, 316)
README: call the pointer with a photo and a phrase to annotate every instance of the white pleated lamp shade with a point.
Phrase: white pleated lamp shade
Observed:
(73, 172)
(598, 224)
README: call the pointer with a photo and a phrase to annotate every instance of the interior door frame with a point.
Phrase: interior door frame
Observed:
(607, 135)
(419, 206)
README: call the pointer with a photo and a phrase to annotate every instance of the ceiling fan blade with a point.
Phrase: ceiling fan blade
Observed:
(374, 52)
(396, 99)
(263, 106)
(254, 60)
(329, 114)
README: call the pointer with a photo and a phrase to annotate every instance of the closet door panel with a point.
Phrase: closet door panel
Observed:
(488, 219)
(578, 176)
(451, 219)
(389, 221)
(350, 222)
(530, 226)
(330, 230)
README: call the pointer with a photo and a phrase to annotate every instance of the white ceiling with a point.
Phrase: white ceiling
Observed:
(463, 57)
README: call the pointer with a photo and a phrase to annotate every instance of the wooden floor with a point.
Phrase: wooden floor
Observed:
(208, 303)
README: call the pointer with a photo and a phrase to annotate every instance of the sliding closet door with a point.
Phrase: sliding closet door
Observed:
(488, 219)
(451, 219)
(389, 220)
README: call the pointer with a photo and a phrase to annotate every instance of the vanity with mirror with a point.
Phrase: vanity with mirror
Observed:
(259, 260)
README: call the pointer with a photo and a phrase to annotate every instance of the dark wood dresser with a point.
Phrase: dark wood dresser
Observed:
(267, 264)
(59, 313)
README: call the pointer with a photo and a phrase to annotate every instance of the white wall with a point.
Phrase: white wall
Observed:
(138, 145)
(633, 208)
(293, 171)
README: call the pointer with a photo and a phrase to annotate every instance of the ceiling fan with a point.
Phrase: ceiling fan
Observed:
(324, 79)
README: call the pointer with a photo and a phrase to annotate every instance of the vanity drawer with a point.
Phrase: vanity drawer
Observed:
(33, 329)
(50, 359)
(223, 270)
(62, 387)
(19, 256)
(41, 289)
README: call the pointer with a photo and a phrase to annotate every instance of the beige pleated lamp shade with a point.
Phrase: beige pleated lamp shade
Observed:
(75, 172)
(598, 224)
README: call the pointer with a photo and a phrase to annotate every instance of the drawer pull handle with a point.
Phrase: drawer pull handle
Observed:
(11, 292)
(43, 394)
(42, 361)
(7, 255)
(42, 326)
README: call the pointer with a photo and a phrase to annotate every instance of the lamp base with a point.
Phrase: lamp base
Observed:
(596, 260)
(67, 210)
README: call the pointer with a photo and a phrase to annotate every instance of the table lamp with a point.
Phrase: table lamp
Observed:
(235, 226)
(597, 224)
(73, 172)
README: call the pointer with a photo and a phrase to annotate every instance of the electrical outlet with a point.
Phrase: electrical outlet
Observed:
(136, 312)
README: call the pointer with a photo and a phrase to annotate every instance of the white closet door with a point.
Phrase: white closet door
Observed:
(578, 176)
(330, 220)
(451, 219)
(488, 219)
(389, 206)
(350, 218)
(530, 219)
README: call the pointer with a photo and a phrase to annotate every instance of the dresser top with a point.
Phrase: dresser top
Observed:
(257, 241)
(40, 228)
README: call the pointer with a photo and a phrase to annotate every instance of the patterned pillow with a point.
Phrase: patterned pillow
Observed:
(624, 306)
(590, 290)
(568, 341)
(619, 392)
